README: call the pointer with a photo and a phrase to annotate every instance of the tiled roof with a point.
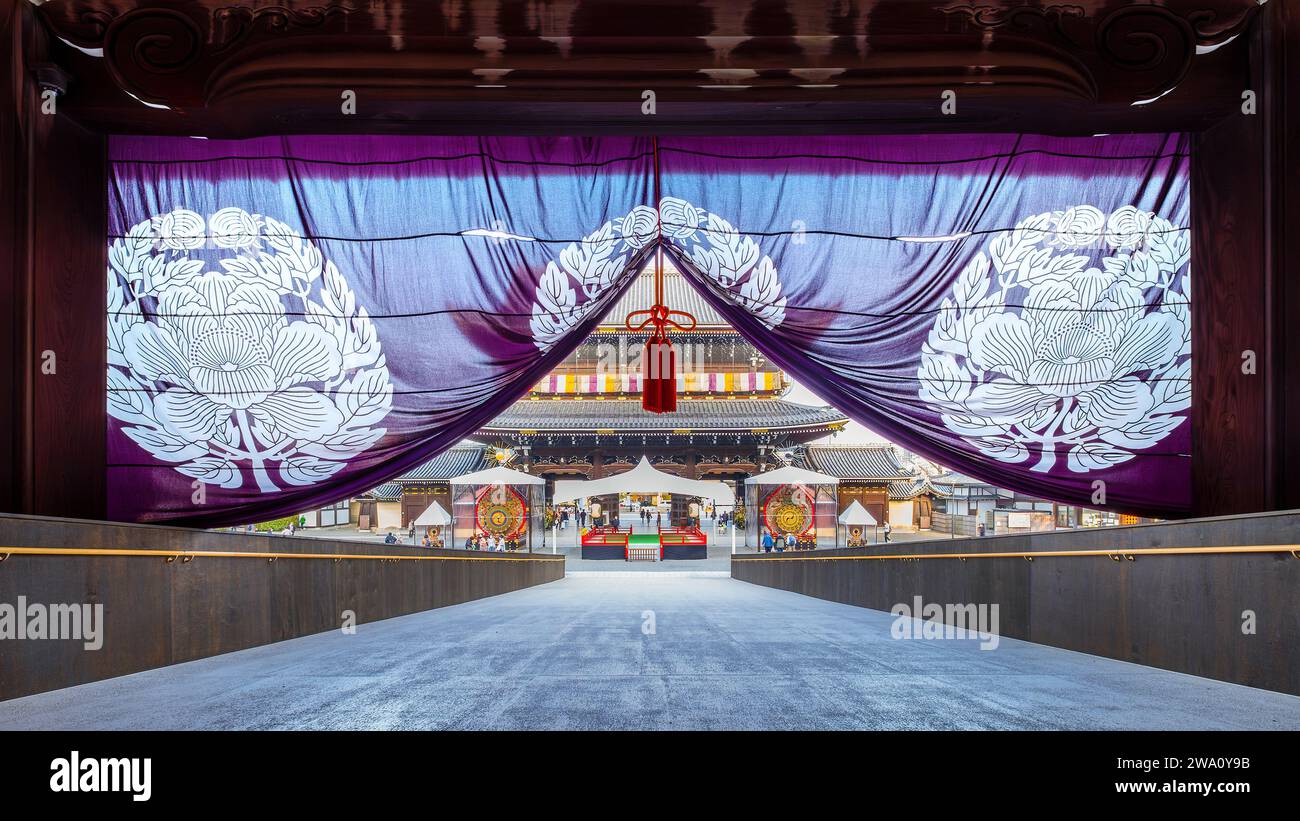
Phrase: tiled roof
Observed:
(904, 489)
(388, 492)
(679, 295)
(455, 462)
(590, 415)
(858, 461)
(951, 479)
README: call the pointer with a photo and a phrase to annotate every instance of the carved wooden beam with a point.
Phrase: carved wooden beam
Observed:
(406, 56)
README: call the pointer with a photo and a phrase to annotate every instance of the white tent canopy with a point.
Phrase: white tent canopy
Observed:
(498, 476)
(856, 514)
(792, 476)
(644, 479)
(433, 516)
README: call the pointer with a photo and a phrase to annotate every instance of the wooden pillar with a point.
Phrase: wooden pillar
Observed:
(1282, 91)
(1246, 287)
(53, 259)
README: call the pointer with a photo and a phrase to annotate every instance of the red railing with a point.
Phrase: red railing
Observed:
(607, 534)
(680, 535)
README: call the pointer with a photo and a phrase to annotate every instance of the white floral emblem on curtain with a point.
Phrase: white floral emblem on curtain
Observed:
(1096, 358)
(266, 365)
(733, 261)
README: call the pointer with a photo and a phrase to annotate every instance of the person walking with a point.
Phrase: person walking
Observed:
(767, 541)
(888, 529)
(790, 541)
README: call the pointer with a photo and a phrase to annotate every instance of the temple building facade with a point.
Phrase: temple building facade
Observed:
(892, 484)
(397, 503)
(585, 421)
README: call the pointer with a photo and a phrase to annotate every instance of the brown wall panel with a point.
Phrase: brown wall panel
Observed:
(1178, 612)
(69, 258)
(1246, 284)
(1282, 27)
(52, 267)
(158, 613)
(1229, 423)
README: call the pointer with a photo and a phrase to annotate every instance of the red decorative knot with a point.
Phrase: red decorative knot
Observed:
(658, 360)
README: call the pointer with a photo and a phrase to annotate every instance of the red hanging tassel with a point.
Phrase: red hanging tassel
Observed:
(659, 375)
(658, 360)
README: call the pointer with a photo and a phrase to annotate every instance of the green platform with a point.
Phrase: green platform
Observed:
(644, 538)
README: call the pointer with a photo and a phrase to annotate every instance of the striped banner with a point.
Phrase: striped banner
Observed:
(729, 382)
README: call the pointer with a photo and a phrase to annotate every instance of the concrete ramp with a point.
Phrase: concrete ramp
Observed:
(651, 651)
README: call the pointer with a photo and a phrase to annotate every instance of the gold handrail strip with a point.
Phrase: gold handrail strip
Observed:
(236, 554)
(1112, 554)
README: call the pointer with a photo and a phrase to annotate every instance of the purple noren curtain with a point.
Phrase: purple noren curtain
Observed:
(1014, 307)
(294, 320)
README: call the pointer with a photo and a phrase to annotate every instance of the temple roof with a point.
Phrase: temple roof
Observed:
(387, 492)
(679, 295)
(904, 489)
(874, 462)
(454, 462)
(697, 415)
(950, 479)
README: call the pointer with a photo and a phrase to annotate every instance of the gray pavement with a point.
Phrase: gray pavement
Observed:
(650, 651)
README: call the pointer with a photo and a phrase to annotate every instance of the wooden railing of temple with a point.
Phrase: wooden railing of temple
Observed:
(1212, 597)
(172, 594)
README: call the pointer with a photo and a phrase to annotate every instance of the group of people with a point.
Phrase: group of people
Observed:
(563, 516)
(779, 543)
(479, 541)
(488, 542)
(648, 513)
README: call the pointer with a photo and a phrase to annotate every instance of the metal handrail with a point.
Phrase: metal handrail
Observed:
(1116, 555)
(189, 555)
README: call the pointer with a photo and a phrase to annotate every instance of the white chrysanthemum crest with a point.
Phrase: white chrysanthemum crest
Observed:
(215, 372)
(1096, 358)
(733, 261)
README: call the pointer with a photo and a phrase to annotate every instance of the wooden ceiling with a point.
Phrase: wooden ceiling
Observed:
(226, 68)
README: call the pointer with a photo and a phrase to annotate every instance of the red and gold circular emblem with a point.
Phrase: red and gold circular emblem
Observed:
(789, 509)
(500, 511)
